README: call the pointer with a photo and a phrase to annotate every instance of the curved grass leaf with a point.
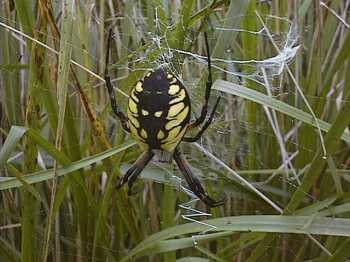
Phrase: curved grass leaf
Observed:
(12, 182)
(163, 242)
(15, 134)
(262, 99)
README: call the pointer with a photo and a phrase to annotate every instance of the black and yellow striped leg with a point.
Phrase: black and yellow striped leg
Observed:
(119, 113)
(205, 126)
(209, 83)
(133, 172)
(193, 182)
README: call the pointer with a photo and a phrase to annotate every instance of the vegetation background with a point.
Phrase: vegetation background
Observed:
(278, 148)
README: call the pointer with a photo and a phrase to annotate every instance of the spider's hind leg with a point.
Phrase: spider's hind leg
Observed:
(194, 183)
(133, 172)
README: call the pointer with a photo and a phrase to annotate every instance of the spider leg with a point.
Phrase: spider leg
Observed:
(209, 83)
(117, 111)
(133, 172)
(205, 126)
(193, 182)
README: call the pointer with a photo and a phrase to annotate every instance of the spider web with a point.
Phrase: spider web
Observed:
(264, 72)
(268, 74)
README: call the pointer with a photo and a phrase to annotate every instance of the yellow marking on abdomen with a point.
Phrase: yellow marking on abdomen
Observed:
(139, 86)
(158, 113)
(148, 74)
(171, 124)
(179, 97)
(183, 114)
(169, 76)
(134, 121)
(173, 81)
(178, 119)
(160, 135)
(135, 133)
(173, 89)
(173, 133)
(171, 145)
(175, 109)
(132, 94)
(132, 106)
(144, 133)
(145, 112)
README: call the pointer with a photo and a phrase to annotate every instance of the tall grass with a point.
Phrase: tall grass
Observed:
(278, 148)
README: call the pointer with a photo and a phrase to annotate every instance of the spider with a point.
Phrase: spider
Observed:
(158, 117)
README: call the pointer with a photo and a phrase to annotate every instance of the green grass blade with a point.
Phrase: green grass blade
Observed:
(41, 176)
(15, 135)
(230, 225)
(262, 99)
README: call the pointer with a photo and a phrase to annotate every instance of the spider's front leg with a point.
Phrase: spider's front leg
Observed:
(116, 109)
(205, 126)
(193, 182)
(204, 110)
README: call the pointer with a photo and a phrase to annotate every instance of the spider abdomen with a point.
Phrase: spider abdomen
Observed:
(159, 111)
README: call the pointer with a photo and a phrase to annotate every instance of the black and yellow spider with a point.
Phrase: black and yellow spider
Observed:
(158, 116)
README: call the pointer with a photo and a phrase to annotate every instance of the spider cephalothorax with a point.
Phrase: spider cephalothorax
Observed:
(158, 116)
